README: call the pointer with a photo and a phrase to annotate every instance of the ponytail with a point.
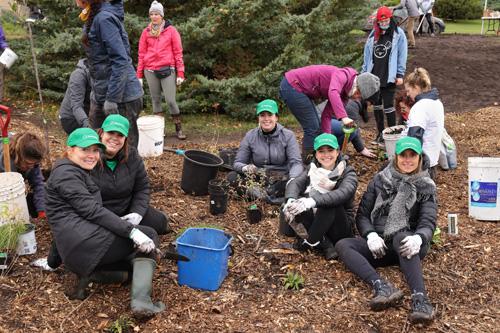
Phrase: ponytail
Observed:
(419, 78)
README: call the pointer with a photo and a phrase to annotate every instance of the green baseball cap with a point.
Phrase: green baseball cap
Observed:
(84, 137)
(408, 142)
(326, 139)
(268, 105)
(116, 123)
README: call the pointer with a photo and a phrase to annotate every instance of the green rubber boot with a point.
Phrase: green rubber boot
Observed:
(140, 294)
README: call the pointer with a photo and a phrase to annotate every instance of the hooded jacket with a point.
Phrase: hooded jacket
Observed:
(279, 151)
(342, 194)
(82, 228)
(325, 82)
(109, 57)
(126, 189)
(76, 102)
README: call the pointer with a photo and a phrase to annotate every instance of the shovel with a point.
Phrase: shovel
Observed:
(347, 133)
(4, 124)
(171, 255)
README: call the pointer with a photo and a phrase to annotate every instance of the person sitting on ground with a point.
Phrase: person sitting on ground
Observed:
(300, 87)
(268, 149)
(329, 184)
(426, 118)
(74, 110)
(403, 105)
(26, 153)
(90, 237)
(122, 178)
(396, 219)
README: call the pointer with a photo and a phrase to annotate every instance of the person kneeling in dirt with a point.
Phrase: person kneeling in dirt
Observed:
(396, 220)
(268, 157)
(319, 203)
(74, 111)
(122, 178)
(26, 153)
(90, 238)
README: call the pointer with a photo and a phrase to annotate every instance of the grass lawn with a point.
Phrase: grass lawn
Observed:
(463, 27)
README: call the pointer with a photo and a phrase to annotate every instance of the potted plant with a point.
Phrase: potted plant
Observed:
(9, 235)
(254, 214)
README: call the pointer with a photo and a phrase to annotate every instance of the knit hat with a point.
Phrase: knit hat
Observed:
(116, 123)
(326, 139)
(268, 105)
(84, 137)
(156, 7)
(408, 142)
(383, 13)
(368, 85)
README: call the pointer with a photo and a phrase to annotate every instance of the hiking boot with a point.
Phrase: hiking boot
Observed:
(328, 249)
(385, 295)
(178, 127)
(422, 311)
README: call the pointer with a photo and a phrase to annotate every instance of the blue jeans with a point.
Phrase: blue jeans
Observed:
(354, 138)
(304, 110)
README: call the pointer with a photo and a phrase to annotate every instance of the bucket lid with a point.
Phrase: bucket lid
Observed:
(484, 162)
(10, 179)
(150, 120)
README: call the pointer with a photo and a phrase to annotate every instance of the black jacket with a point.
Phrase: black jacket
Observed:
(422, 219)
(82, 228)
(341, 195)
(126, 189)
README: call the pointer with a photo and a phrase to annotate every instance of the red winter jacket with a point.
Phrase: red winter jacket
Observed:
(157, 52)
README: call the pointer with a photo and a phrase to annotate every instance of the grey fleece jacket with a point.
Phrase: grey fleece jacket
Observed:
(411, 7)
(277, 151)
(76, 102)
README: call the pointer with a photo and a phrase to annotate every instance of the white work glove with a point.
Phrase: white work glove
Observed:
(301, 205)
(288, 217)
(133, 218)
(141, 81)
(179, 81)
(348, 122)
(110, 107)
(410, 246)
(249, 169)
(143, 242)
(326, 183)
(376, 245)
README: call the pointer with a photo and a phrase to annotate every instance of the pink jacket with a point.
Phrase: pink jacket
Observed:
(157, 52)
(321, 82)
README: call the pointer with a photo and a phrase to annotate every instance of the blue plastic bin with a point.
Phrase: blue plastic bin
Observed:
(208, 250)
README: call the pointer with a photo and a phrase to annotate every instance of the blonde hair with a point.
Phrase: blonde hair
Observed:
(419, 78)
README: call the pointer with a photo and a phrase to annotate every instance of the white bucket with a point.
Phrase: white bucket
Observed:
(390, 139)
(8, 57)
(484, 188)
(26, 243)
(13, 206)
(151, 129)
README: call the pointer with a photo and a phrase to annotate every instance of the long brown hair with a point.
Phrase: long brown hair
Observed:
(419, 78)
(95, 6)
(26, 146)
(123, 152)
(402, 97)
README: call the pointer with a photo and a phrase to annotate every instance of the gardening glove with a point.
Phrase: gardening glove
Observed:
(142, 242)
(288, 217)
(110, 107)
(410, 246)
(141, 81)
(376, 245)
(348, 122)
(179, 81)
(133, 218)
(326, 183)
(249, 169)
(41, 215)
(301, 205)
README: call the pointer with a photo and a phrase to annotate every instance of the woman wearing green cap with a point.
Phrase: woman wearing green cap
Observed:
(269, 149)
(91, 238)
(122, 177)
(396, 220)
(329, 184)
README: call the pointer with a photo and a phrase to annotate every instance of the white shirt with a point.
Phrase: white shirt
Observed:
(425, 6)
(429, 115)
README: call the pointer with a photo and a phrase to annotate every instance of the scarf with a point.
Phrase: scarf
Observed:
(403, 191)
(317, 174)
(156, 29)
(84, 15)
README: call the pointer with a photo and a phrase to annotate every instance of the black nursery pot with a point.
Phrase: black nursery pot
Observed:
(254, 215)
(5, 260)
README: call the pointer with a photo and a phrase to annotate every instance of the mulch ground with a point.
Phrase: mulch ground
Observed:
(461, 272)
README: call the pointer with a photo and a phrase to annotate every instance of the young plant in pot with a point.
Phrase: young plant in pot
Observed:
(255, 196)
(9, 235)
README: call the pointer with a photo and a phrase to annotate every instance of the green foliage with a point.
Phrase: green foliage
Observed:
(293, 281)
(436, 237)
(459, 9)
(121, 325)
(9, 233)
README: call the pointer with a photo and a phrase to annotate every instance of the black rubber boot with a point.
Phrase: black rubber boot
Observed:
(142, 285)
(102, 277)
(422, 311)
(385, 295)
(53, 259)
(328, 249)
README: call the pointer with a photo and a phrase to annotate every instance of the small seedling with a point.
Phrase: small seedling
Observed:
(436, 237)
(293, 281)
(122, 325)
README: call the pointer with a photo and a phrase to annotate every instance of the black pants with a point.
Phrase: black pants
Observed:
(385, 105)
(156, 220)
(129, 110)
(331, 222)
(356, 255)
(428, 17)
(69, 125)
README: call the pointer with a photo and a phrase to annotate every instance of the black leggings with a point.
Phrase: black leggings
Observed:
(357, 257)
(331, 222)
(156, 220)
(385, 105)
(428, 17)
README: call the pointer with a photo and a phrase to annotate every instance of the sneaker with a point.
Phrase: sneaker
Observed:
(379, 141)
(385, 295)
(302, 245)
(328, 249)
(422, 311)
(433, 35)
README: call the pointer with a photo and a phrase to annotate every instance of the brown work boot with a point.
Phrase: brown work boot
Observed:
(178, 127)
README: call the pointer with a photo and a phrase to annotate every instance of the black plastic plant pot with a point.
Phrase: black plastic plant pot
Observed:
(254, 214)
(4, 262)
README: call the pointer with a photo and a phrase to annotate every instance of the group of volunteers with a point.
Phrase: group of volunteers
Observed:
(97, 198)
